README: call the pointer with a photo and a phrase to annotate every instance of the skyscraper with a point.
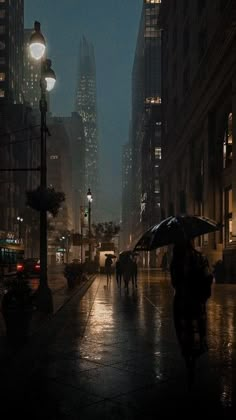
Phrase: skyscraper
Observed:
(146, 120)
(11, 51)
(86, 106)
(31, 76)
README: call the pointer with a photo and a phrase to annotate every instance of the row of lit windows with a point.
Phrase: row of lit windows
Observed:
(152, 1)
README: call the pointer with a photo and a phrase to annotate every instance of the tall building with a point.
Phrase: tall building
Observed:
(31, 74)
(86, 106)
(146, 108)
(11, 51)
(18, 137)
(198, 170)
(59, 176)
(126, 195)
(75, 130)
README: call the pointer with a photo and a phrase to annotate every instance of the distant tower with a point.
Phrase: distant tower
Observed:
(86, 106)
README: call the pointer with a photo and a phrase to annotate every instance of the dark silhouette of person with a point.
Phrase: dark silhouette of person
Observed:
(118, 272)
(134, 271)
(108, 269)
(164, 262)
(127, 269)
(192, 280)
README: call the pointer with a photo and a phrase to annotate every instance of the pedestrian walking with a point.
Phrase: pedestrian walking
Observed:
(108, 268)
(118, 272)
(127, 270)
(192, 280)
(134, 271)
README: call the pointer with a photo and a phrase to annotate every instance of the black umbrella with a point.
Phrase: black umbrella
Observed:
(174, 229)
(128, 253)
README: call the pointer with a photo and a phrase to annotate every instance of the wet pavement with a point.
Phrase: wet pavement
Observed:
(113, 354)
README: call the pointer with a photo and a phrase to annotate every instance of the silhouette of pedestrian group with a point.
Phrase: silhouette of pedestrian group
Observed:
(127, 269)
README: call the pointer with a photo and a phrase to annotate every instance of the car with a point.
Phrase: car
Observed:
(28, 267)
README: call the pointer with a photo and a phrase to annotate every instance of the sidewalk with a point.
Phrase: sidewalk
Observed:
(113, 354)
(39, 323)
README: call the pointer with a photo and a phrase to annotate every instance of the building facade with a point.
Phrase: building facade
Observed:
(75, 130)
(31, 74)
(11, 51)
(126, 222)
(19, 141)
(59, 177)
(199, 119)
(146, 108)
(86, 106)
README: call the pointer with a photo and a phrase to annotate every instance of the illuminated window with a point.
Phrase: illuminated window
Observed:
(2, 77)
(228, 205)
(157, 152)
(228, 143)
(2, 93)
(157, 186)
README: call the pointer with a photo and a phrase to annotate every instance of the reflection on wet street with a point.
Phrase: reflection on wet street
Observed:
(115, 355)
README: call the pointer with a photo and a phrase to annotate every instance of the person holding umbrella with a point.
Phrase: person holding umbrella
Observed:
(192, 280)
(190, 277)
(108, 266)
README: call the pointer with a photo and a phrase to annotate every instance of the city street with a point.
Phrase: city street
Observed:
(114, 355)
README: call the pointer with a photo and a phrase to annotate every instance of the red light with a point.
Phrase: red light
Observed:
(37, 267)
(20, 267)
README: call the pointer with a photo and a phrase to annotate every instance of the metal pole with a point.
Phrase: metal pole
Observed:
(19, 231)
(89, 221)
(45, 303)
(81, 245)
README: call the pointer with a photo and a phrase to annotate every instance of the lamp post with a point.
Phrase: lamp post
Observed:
(47, 82)
(90, 199)
(20, 221)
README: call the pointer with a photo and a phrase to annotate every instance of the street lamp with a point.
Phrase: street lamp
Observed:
(47, 82)
(90, 199)
(65, 246)
(20, 221)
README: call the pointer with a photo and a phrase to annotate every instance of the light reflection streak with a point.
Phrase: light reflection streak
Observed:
(222, 340)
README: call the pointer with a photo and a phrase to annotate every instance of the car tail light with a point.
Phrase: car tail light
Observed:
(37, 267)
(19, 267)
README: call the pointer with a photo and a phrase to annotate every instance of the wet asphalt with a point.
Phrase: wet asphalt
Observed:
(113, 354)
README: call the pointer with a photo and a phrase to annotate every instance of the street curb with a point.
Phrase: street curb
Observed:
(81, 289)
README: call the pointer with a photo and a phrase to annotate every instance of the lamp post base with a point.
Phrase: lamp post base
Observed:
(44, 300)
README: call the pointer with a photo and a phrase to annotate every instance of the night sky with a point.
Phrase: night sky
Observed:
(112, 26)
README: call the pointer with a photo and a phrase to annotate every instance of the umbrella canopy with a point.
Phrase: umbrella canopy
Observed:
(128, 253)
(174, 229)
